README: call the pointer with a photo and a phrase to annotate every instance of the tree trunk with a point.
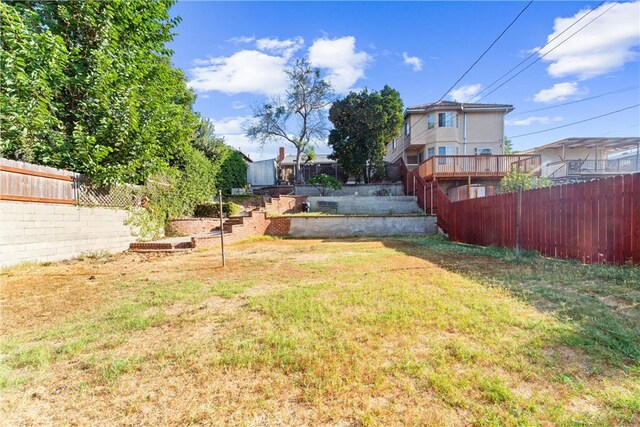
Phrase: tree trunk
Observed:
(297, 173)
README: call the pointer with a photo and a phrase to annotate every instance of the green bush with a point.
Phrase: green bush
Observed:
(514, 180)
(325, 183)
(212, 210)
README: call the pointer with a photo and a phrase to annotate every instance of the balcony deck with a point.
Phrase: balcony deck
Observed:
(460, 167)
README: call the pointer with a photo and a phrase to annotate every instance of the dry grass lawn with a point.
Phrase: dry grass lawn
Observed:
(311, 332)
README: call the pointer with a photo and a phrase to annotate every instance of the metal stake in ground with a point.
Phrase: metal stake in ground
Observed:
(221, 226)
(518, 217)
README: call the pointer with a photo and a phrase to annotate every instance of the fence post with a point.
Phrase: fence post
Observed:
(414, 185)
(518, 216)
(424, 198)
(431, 198)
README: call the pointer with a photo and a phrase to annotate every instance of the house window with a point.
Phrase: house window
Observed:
(484, 151)
(394, 144)
(430, 152)
(431, 121)
(444, 151)
(446, 120)
(420, 157)
(407, 128)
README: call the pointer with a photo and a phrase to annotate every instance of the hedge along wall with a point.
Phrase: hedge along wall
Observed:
(41, 232)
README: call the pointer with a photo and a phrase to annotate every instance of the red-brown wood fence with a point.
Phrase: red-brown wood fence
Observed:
(594, 222)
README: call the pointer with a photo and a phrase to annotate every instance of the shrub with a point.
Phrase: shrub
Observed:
(212, 210)
(325, 183)
(514, 180)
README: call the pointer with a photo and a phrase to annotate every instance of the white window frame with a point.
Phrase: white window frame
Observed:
(479, 150)
(407, 128)
(431, 121)
(449, 118)
(394, 143)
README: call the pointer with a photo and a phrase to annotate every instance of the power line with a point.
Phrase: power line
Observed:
(479, 58)
(546, 53)
(536, 51)
(577, 101)
(486, 50)
(575, 123)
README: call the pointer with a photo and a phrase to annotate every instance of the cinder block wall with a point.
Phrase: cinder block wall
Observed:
(369, 205)
(43, 232)
(351, 226)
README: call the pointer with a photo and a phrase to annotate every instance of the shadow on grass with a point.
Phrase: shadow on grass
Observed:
(602, 302)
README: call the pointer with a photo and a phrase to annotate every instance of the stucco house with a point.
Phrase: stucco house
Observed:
(449, 128)
(460, 145)
(583, 158)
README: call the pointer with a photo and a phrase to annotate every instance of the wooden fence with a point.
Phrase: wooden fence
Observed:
(594, 222)
(25, 182)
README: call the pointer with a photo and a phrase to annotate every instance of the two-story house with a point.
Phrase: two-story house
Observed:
(449, 128)
(461, 145)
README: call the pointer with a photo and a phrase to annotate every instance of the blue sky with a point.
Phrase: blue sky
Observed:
(233, 53)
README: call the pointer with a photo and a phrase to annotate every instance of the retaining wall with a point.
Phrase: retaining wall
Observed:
(351, 226)
(379, 205)
(43, 232)
(354, 189)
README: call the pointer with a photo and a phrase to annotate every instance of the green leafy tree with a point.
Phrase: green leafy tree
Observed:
(233, 171)
(206, 141)
(325, 184)
(508, 146)
(298, 117)
(515, 180)
(363, 123)
(32, 65)
(110, 104)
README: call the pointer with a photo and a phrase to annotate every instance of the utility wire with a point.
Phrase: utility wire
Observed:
(486, 50)
(577, 101)
(575, 123)
(477, 60)
(536, 51)
(546, 53)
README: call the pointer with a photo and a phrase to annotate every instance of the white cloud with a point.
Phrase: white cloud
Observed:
(603, 46)
(557, 92)
(340, 57)
(244, 71)
(465, 93)
(237, 105)
(542, 120)
(413, 61)
(241, 39)
(230, 125)
(285, 47)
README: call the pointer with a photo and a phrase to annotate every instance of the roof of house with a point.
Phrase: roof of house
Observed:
(245, 157)
(449, 105)
(321, 159)
(613, 144)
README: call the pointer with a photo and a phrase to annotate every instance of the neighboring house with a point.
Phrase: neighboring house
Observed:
(449, 128)
(588, 158)
(461, 145)
(309, 168)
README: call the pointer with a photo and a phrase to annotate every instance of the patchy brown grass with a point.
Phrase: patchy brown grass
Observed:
(310, 332)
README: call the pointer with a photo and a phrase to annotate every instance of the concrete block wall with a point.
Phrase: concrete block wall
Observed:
(354, 189)
(352, 226)
(41, 232)
(381, 205)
